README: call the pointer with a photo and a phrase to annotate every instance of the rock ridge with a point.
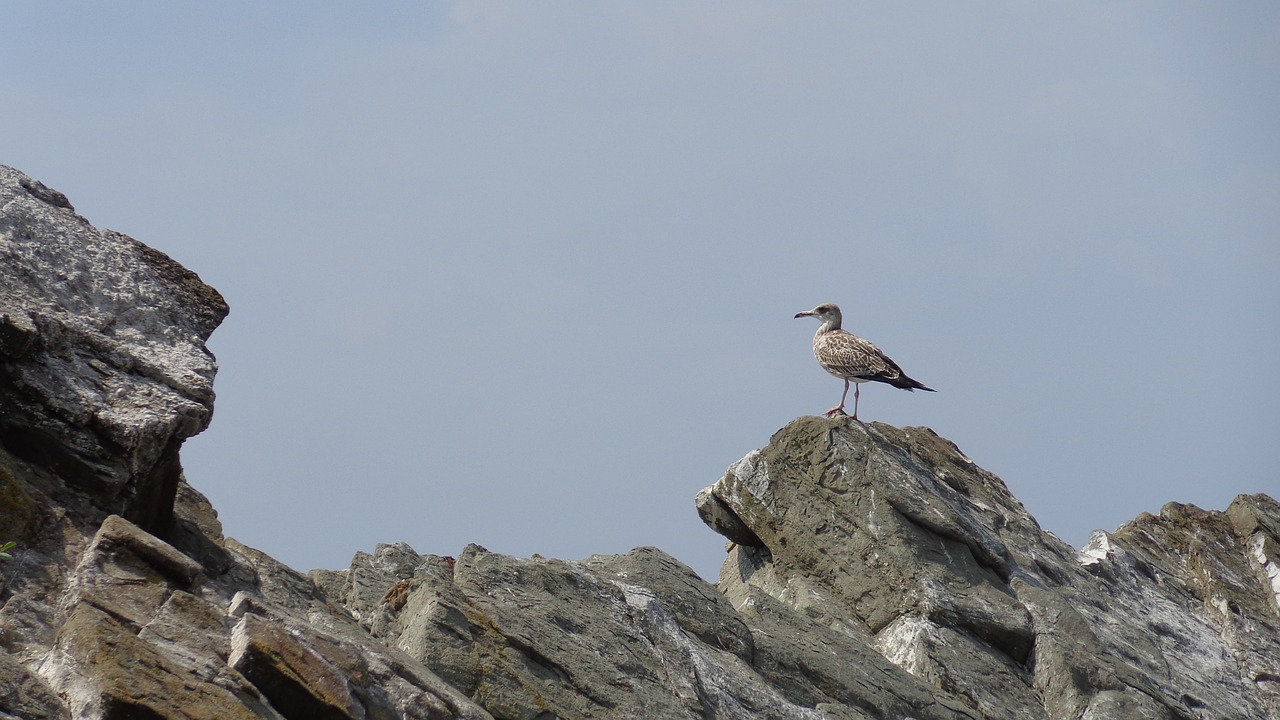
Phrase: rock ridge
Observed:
(894, 534)
(872, 572)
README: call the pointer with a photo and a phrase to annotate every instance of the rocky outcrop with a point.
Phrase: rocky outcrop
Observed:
(122, 599)
(873, 572)
(103, 368)
(895, 537)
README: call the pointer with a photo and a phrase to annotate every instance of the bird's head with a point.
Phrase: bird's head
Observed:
(826, 312)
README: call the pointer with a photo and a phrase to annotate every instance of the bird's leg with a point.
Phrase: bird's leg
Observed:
(840, 408)
(856, 391)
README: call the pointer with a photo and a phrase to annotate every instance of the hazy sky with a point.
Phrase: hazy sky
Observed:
(523, 274)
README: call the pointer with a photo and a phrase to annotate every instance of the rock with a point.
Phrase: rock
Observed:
(721, 518)
(299, 682)
(387, 680)
(103, 367)
(873, 572)
(21, 515)
(698, 608)
(107, 672)
(23, 696)
(923, 549)
(816, 666)
(894, 535)
(635, 635)
(627, 636)
(128, 573)
(140, 630)
(123, 599)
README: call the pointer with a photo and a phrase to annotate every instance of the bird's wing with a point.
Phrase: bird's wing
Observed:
(848, 355)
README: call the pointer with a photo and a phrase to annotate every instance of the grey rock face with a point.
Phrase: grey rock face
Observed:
(894, 537)
(482, 623)
(135, 628)
(103, 368)
(619, 636)
(874, 572)
(123, 599)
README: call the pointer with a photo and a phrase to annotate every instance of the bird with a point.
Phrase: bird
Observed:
(853, 359)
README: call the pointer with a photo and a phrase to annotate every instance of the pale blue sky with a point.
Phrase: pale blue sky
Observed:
(523, 274)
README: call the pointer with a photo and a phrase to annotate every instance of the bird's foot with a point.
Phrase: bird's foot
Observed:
(836, 411)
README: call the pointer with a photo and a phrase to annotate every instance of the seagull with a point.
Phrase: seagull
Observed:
(852, 359)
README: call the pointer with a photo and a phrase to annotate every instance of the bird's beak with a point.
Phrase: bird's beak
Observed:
(806, 313)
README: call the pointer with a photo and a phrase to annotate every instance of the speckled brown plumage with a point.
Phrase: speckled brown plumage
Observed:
(852, 358)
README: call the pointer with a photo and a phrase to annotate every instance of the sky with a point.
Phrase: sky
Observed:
(524, 274)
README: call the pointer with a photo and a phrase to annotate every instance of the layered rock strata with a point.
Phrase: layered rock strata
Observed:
(893, 536)
(872, 571)
(103, 367)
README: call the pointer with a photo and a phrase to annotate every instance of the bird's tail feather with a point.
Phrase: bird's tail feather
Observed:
(906, 383)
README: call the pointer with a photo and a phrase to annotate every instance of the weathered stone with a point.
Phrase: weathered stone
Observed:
(893, 533)
(44, 193)
(371, 577)
(17, 333)
(1255, 513)
(873, 573)
(1189, 601)
(558, 639)
(383, 679)
(817, 666)
(699, 609)
(880, 507)
(192, 629)
(103, 368)
(636, 635)
(129, 573)
(197, 531)
(21, 515)
(103, 372)
(106, 672)
(300, 683)
(435, 625)
(721, 518)
(118, 538)
(25, 696)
